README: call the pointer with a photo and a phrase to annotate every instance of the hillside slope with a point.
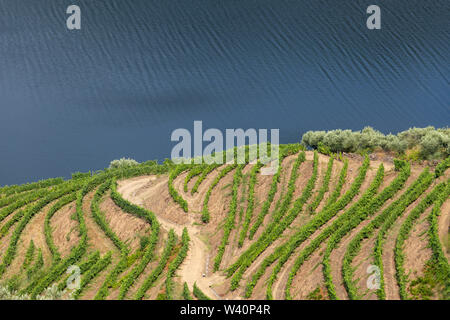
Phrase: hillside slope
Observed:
(322, 228)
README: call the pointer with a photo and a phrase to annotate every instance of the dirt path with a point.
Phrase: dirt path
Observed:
(194, 266)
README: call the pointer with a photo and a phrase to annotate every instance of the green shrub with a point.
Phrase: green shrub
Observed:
(32, 271)
(26, 199)
(99, 217)
(324, 149)
(123, 163)
(81, 175)
(250, 203)
(399, 164)
(195, 171)
(186, 292)
(230, 220)
(7, 226)
(175, 264)
(326, 181)
(199, 294)
(84, 267)
(222, 173)
(430, 143)
(338, 189)
(173, 192)
(15, 189)
(29, 256)
(92, 273)
(207, 170)
(442, 167)
(170, 244)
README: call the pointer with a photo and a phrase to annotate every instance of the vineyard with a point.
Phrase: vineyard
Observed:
(324, 226)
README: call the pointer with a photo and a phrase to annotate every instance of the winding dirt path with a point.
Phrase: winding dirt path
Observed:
(195, 264)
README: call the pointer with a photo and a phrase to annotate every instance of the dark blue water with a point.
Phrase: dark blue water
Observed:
(138, 69)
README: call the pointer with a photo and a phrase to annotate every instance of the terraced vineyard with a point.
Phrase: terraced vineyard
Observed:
(339, 227)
